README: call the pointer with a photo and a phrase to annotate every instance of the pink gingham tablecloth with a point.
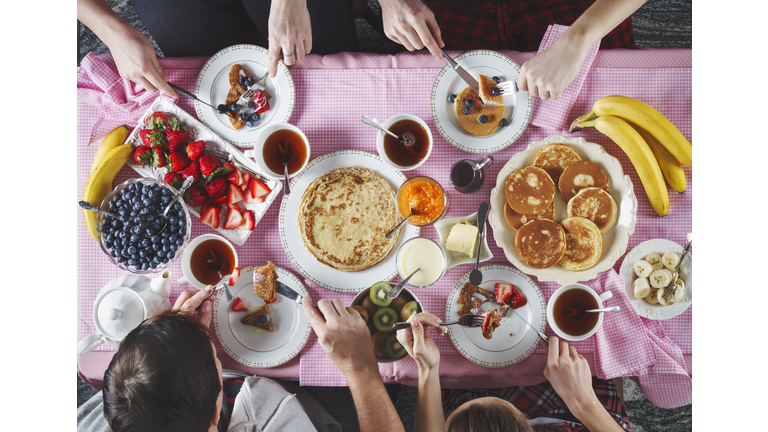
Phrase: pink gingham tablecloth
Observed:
(331, 94)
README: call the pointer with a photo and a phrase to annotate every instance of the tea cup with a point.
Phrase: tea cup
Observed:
(257, 153)
(599, 299)
(190, 252)
(386, 125)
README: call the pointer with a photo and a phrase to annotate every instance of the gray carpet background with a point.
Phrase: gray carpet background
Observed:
(657, 24)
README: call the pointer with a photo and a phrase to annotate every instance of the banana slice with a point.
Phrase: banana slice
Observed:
(671, 275)
(660, 278)
(670, 260)
(642, 269)
(641, 287)
(653, 258)
(660, 298)
(651, 297)
(680, 291)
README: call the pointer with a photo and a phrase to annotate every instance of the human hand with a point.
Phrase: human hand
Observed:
(550, 72)
(569, 374)
(197, 300)
(412, 24)
(419, 343)
(136, 61)
(343, 334)
(290, 33)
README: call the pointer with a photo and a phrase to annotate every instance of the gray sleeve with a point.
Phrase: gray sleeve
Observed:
(263, 405)
(90, 416)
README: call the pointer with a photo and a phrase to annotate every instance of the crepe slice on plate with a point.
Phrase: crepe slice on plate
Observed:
(265, 282)
(236, 90)
(260, 319)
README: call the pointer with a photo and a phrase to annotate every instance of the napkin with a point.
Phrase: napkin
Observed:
(667, 381)
(554, 113)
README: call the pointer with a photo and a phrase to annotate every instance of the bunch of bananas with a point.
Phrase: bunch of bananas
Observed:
(110, 158)
(654, 145)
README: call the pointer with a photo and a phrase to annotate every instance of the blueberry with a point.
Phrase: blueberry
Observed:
(165, 260)
(466, 110)
(242, 80)
(251, 105)
(482, 119)
(250, 123)
(180, 242)
(166, 192)
(144, 266)
(496, 79)
(177, 206)
(451, 98)
(503, 122)
(104, 228)
(165, 240)
(222, 109)
(181, 214)
(256, 117)
(156, 259)
(249, 81)
(142, 253)
(122, 234)
(173, 238)
(171, 254)
(155, 239)
(108, 244)
(135, 238)
(173, 247)
(495, 91)
(245, 117)
(469, 102)
(234, 107)
(113, 253)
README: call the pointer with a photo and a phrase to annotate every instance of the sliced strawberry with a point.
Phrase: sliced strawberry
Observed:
(234, 220)
(235, 177)
(259, 188)
(228, 168)
(503, 292)
(220, 200)
(211, 216)
(234, 206)
(235, 194)
(262, 104)
(246, 179)
(486, 321)
(233, 278)
(249, 221)
(518, 300)
(237, 305)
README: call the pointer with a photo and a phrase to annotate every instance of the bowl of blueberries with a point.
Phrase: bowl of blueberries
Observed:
(136, 237)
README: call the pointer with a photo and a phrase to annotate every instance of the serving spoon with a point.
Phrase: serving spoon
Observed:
(476, 276)
(284, 153)
(394, 292)
(187, 183)
(391, 232)
(577, 311)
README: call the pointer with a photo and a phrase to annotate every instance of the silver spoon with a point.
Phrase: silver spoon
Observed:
(576, 311)
(187, 183)
(394, 292)
(389, 234)
(88, 206)
(284, 153)
(476, 276)
(408, 139)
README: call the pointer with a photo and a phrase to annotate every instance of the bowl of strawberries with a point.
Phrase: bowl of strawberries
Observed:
(228, 193)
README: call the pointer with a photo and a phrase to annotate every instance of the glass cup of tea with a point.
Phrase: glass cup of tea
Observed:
(404, 154)
(467, 175)
(202, 256)
(565, 301)
(267, 148)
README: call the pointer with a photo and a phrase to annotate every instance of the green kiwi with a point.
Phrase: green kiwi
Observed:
(378, 293)
(409, 309)
(384, 319)
(378, 340)
(368, 304)
(361, 310)
(394, 349)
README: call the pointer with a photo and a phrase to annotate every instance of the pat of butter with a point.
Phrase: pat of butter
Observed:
(463, 238)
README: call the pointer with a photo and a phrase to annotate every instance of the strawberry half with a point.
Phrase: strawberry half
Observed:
(237, 305)
(157, 120)
(234, 219)
(249, 220)
(221, 200)
(262, 104)
(236, 177)
(486, 321)
(211, 216)
(518, 300)
(503, 292)
(235, 194)
(233, 278)
(259, 188)
(143, 156)
(195, 149)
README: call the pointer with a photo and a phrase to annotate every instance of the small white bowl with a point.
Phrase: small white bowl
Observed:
(380, 140)
(453, 259)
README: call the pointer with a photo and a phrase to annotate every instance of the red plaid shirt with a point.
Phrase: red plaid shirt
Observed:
(516, 25)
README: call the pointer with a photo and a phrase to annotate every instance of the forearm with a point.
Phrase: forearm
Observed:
(429, 408)
(375, 411)
(596, 418)
(99, 17)
(599, 19)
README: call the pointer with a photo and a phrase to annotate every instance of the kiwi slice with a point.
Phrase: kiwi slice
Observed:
(378, 340)
(409, 309)
(393, 348)
(384, 319)
(370, 306)
(378, 293)
(361, 310)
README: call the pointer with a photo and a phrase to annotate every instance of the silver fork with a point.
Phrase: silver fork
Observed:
(229, 157)
(468, 320)
(508, 87)
(259, 83)
(670, 289)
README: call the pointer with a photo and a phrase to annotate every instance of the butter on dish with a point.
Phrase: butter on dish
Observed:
(463, 239)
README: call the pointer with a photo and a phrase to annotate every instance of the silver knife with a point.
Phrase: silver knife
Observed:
(285, 291)
(469, 79)
(541, 335)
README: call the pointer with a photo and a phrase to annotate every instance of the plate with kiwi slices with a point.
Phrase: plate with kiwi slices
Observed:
(381, 313)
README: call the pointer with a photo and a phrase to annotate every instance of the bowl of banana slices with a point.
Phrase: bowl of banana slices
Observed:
(648, 269)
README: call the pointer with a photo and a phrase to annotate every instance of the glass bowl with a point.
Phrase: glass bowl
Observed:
(108, 233)
(399, 256)
(404, 208)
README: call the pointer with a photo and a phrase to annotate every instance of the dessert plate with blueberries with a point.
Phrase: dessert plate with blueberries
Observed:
(214, 84)
(458, 126)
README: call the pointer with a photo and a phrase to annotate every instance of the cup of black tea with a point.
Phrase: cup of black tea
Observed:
(562, 307)
(467, 175)
(413, 146)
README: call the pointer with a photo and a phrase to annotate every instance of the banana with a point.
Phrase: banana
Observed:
(99, 183)
(646, 117)
(641, 157)
(651, 298)
(669, 165)
(660, 297)
(659, 279)
(641, 288)
(642, 268)
(654, 260)
(680, 291)
(670, 260)
(112, 140)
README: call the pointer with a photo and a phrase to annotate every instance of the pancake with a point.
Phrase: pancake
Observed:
(516, 220)
(584, 244)
(580, 175)
(236, 90)
(470, 121)
(554, 158)
(255, 319)
(343, 217)
(529, 190)
(485, 85)
(596, 205)
(265, 281)
(540, 243)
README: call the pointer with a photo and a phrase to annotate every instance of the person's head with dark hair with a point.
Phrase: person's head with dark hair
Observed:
(164, 377)
(487, 414)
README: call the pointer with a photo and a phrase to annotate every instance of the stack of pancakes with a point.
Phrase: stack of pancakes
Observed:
(575, 242)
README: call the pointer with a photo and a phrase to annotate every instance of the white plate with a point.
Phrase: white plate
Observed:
(304, 262)
(503, 349)
(614, 241)
(262, 350)
(213, 85)
(453, 259)
(198, 132)
(643, 308)
(488, 63)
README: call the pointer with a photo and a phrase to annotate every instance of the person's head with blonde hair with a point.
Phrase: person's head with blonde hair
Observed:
(487, 414)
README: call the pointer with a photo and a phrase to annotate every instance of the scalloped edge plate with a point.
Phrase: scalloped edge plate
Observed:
(647, 310)
(614, 241)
